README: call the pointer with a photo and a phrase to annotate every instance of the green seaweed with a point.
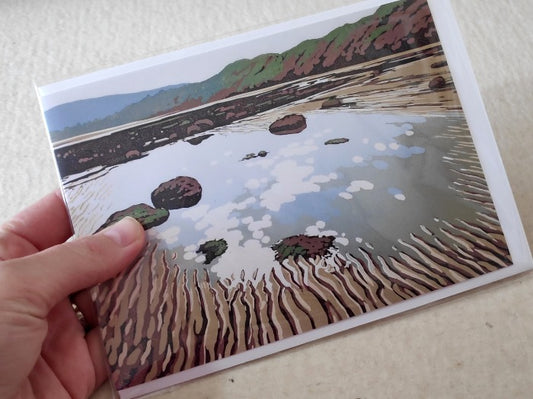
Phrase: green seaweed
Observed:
(285, 251)
(146, 215)
(213, 249)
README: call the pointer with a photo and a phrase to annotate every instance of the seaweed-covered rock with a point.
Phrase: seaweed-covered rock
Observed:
(249, 156)
(290, 124)
(340, 140)
(146, 215)
(440, 64)
(331, 102)
(253, 155)
(437, 83)
(308, 247)
(213, 249)
(197, 140)
(181, 192)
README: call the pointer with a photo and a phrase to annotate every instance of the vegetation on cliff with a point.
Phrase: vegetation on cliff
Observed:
(393, 28)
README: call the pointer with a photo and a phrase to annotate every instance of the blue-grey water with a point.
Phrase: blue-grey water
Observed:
(377, 188)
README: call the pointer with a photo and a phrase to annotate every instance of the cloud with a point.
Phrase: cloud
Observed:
(218, 222)
(318, 230)
(397, 193)
(196, 212)
(358, 185)
(169, 235)
(252, 184)
(345, 195)
(354, 187)
(291, 180)
(298, 149)
(380, 147)
(250, 259)
(256, 225)
(323, 178)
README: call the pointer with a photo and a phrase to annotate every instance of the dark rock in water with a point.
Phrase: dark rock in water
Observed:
(331, 102)
(200, 125)
(133, 154)
(146, 215)
(340, 140)
(309, 247)
(437, 83)
(439, 64)
(181, 192)
(376, 72)
(249, 156)
(252, 155)
(290, 124)
(213, 249)
(199, 139)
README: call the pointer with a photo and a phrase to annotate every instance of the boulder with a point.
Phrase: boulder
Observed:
(146, 215)
(253, 155)
(290, 124)
(181, 192)
(133, 154)
(440, 64)
(200, 126)
(376, 72)
(197, 140)
(309, 247)
(437, 83)
(213, 249)
(340, 140)
(249, 156)
(331, 102)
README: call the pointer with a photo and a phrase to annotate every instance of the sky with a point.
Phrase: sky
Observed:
(200, 62)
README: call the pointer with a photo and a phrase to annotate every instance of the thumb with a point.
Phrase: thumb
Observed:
(47, 277)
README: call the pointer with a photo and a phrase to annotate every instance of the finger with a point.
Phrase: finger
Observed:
(65, 351)
(87, 307)
(95, 347)
(41, 280)
(38, 227)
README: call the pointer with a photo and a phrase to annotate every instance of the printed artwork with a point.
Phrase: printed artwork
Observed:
(283, 193)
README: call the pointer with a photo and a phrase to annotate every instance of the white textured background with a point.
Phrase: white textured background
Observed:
(479, 345)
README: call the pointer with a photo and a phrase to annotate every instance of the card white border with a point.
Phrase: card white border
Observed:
(483, 137)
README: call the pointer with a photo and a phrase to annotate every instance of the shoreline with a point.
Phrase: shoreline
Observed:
(364, 87)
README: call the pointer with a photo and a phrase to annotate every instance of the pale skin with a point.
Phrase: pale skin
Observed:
(45, 351)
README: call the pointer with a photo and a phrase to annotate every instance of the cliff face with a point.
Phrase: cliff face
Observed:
(393, 28)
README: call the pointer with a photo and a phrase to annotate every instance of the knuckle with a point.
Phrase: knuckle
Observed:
(91, 247)
(13, 245)
(9, 279)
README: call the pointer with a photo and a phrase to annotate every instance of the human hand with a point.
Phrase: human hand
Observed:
(45, 351)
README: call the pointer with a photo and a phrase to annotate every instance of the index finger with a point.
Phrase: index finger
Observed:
(40, 226)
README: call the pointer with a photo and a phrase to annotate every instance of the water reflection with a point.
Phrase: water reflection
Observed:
(379, 178)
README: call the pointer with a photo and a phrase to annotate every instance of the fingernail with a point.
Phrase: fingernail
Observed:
(124, 232)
